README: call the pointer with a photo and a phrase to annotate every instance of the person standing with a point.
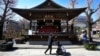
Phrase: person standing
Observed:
(84, 37)
(50, 41)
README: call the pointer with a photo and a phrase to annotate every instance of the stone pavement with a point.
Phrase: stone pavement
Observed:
(25, 46)
(40, 52)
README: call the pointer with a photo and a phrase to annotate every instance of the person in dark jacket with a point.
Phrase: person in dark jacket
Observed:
(50, 41)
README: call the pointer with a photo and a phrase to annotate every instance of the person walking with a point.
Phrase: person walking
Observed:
(50, 41)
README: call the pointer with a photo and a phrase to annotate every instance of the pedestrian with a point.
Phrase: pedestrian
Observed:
(50, 42)
(84, 37)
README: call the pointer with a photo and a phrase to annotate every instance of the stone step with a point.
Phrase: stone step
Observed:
(46, 42)
(25, 46)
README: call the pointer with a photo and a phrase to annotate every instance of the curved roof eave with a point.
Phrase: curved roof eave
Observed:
(48, 4)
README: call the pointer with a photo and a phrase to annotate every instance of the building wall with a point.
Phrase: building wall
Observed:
(96, 26)
(11, 24)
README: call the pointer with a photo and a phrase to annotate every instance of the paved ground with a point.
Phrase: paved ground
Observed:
(40, 52)
(74, 50)
(25, 46)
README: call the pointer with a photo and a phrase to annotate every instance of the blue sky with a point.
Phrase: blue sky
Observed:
(65, 3)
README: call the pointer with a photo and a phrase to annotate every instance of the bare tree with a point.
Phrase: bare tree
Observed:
(5, 7)
(89, 12)
(98, 13)
(24, 24)
(72, 4)
(13, 29)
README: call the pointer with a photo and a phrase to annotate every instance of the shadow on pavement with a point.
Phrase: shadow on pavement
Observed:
(10, 50)
(65, 54)
(98, 43)
(97, 50)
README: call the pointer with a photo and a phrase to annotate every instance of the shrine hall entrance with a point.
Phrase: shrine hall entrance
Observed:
(50, 18)
(48, 26)
(59, 29)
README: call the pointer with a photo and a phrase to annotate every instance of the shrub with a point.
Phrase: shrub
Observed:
(90, 46)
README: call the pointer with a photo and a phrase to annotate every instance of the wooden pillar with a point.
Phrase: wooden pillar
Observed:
(67, 26)
(72, 28)
(30, 14)
(30, 24)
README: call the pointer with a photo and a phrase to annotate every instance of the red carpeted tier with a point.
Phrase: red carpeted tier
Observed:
(48, 29)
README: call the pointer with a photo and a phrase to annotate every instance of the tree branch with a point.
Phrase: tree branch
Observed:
(86, 12)
(4, 2)
(9, 18)
(91, 2)
(9, 14)
(8, 10)
(0, 2)
(73, 2)
(95, 10)
(0, 16)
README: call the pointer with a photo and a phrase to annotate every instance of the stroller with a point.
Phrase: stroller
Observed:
(60, 50)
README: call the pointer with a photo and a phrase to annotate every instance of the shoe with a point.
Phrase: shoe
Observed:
(50, 53)
(44, 52)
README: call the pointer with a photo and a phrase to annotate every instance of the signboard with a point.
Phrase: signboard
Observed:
(29, 32)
